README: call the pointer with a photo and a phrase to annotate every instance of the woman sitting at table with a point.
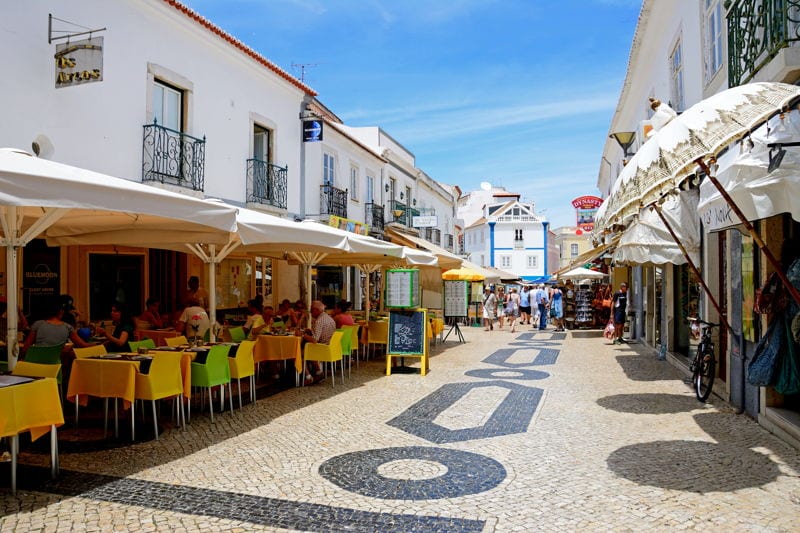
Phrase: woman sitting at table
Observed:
(255, 322)
(341, 314)
(121, 319)
(53, 331)
(298, 316)
(268, 314)
(194, 321)
(151, 314)
(284, 311)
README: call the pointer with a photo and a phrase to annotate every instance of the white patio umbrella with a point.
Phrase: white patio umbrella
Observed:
(581, 273)
(44, 198)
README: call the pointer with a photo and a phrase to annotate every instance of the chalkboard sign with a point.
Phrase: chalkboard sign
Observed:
(407, 332)
(456, 301)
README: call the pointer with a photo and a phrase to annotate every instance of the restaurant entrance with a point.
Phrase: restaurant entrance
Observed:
(115, 278)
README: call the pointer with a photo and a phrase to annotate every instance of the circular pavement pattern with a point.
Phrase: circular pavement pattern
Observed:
(405, 473)
(507, 373)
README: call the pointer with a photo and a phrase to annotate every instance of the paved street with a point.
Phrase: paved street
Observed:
(533, 431)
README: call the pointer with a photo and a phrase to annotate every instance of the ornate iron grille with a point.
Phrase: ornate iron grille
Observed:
(374, 217)
(170, 156)
(332, 201)
(757, 31)
(399, 212)
(266, 183)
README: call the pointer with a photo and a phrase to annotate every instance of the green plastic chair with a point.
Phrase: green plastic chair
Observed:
(150, 344)
(347, 346)
(215, 371)
(46, 355)
(237, 334)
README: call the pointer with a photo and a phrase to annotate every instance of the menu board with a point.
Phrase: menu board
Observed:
(456, 298)
(402, 288)
(407, 332)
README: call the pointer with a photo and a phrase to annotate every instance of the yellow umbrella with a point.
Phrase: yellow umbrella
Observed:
(463, 274)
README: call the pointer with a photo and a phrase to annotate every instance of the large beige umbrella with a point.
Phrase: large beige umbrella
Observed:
(44, 198)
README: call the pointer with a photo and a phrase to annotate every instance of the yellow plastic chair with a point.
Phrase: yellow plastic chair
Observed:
(377, 333)
(162, 381)
(47, 355)
(326, 353)
(91, 351)
(215, 371)
(237, 334)
(243, 366)
(176, 341)
(150, 344)
(36, 370)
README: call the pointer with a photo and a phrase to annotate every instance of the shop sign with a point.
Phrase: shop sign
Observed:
(79, 62)
(586, 210)
(346, 224)
(41, 277)
(312, 131)
(425, 221)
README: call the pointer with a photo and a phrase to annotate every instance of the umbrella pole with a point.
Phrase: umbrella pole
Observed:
(692, 266)
(12, 314)
(753, 233)
(212, 295)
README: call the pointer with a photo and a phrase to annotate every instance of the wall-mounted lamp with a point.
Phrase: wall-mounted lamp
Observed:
(625, 140)
(414, 201)
(607, 257)
(386, 187)
(402, 195)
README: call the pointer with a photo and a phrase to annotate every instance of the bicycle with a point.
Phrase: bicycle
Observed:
(704, 366)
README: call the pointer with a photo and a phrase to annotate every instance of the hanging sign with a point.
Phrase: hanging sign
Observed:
(586, 209)
(312, 131)
(79, 62)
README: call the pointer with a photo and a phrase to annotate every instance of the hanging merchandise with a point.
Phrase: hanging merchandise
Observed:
(788, 381)
(762, 369)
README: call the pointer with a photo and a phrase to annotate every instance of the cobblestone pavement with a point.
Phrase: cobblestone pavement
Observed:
(533, 431)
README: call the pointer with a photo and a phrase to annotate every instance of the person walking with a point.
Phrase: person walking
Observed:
(525, 305)
(619, 304)
(489, 309)
(501, 303)
(557, 308)
(541, 304)
(512, 308)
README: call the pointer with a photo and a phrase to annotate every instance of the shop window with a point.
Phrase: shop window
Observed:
(115, 278)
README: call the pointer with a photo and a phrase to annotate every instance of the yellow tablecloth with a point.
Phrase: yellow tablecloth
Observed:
(278, 348)
(105, 378)
(32, 406)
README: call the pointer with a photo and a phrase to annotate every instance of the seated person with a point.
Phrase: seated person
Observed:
(193, 322)
(268, 314)
(284, 311)
(342, 316)
(298, 316)
(255, 322)
(322, 329)
(53, 331)
(151, 314)
(117, 340)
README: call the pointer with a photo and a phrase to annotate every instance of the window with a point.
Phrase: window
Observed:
(517, 234)
(262, 143)
(353, 183)
(370, 189)
(676, 71)
(533, 261)
(168, 106)
(328, 172)
(505, 261)
(573, 250)
(713, 37)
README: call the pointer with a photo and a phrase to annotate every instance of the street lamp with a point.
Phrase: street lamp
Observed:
(625, 140)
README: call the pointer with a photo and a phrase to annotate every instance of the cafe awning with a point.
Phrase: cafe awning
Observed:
(648, 241)
(588, 256)
(447, 260)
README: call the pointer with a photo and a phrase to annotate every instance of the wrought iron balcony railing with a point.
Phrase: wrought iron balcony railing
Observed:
(173, 157)
(399, 212)
(374, 217)
(448, 239)
(266, 183)
(436, 236)
(757, 31)
(332, 201)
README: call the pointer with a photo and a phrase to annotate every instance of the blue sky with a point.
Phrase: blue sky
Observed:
(516, 93)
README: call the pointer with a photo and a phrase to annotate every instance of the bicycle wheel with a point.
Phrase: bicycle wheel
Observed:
(703, 378)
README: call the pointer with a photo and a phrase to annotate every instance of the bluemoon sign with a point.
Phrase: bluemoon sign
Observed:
(312, 130)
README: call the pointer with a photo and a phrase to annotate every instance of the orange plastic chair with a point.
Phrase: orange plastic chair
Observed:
(243, 366)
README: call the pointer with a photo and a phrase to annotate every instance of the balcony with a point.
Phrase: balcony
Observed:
(448, 239)
(332, 201)
(436, 236)
(399, 212)
(519, 244)
(373, 217)
(173, 157)
(757, 31)
(266, 183)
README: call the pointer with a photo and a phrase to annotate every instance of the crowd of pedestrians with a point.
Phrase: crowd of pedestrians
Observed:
(532, 305)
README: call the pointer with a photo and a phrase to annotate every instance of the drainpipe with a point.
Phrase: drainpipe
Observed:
(544, 228)
(491, 243)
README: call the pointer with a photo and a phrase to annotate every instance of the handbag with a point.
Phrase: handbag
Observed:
(608, 333)
(762, 369)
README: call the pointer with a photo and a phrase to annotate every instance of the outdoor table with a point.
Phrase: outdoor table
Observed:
(279, 348)
(28, 404)
(158, 336)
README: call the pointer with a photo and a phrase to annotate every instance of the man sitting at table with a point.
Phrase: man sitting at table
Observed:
(322, 329)
(151, 315)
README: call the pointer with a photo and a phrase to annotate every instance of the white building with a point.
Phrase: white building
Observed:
(503, 232)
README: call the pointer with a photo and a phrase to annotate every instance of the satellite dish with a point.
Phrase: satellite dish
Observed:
(486, 186)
